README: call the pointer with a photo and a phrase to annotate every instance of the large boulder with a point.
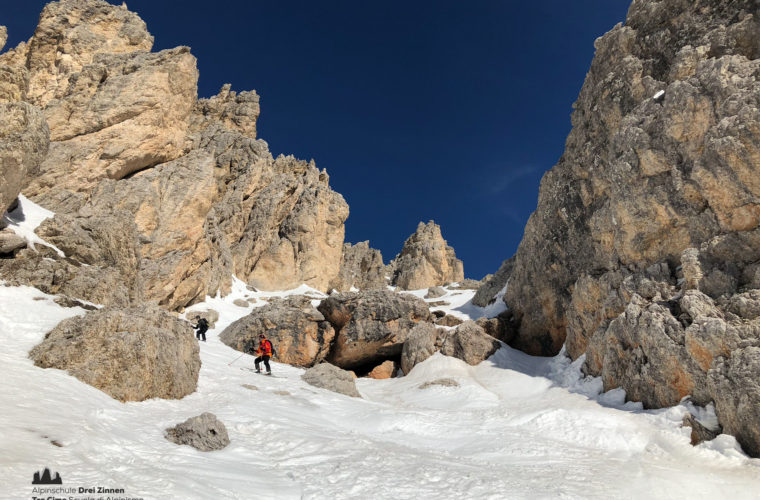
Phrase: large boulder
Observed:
(203, 432)
(426, 260)
(419, 346)
(130, 354)
(468, 342)
(24, 139)
(371, 326)
(298, 332)
(332, 378)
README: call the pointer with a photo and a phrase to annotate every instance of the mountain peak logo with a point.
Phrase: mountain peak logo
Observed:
(46, 478)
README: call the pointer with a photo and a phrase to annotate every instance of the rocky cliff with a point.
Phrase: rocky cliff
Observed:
(654, 209)
(160, 196)
(425, 260)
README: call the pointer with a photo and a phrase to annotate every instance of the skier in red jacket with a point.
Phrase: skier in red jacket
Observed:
(264, 352)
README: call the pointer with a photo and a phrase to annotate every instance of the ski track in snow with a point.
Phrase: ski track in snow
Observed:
(516, 427)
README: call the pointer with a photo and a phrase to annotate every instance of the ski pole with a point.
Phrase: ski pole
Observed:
(230, 363)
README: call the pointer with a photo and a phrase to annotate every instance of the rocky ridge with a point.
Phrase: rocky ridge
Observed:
(132, 146)
(642, 253)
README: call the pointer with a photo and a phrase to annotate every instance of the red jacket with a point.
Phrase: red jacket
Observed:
(265, 348)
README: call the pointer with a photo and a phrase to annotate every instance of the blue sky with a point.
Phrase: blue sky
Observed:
(443, 110)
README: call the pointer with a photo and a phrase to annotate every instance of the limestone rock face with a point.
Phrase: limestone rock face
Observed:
(332, 378)
(370, 326)
(234, 111)
(468, 342)
(487, 292)
(426, 260)
(298, 332)
(24, 139)
(130, 139)
(3, 36)
(362, 267)
(664, 333)
(203, 432)
(419, 346)
(663, 156)
(120, 114)
(130, 354)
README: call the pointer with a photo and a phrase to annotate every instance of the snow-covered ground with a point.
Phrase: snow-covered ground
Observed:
(515, 427)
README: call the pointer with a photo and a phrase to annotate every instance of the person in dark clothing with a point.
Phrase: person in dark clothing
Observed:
(201, 325)
(264, 353)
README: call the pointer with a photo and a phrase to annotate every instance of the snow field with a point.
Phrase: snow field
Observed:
(515, 427)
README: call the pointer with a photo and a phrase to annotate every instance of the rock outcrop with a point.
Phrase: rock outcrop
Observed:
(361, 267)
(370, 326)
(203, 432)
(24, 139)
(488, 291)
(663, 156)
(130, 142)
(419, 346)
(426, 260)
(468, 342)
(332, 378)
(299, 333)
(643, 251)
(130, 354)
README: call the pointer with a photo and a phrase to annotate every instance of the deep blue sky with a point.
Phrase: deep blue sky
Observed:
(444, 110)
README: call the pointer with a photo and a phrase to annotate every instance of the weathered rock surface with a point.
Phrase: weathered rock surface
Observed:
(468, 342)
(10, 242)
(361, 267)
(130, 354)
(435, 292)
(384, 370)
(443, 382)
(419, 346)
(370, 326)
(332, 378)
(448, 320)
(500, 327)
(426, 260)
(129, 136)
(24, 139)
(487, 292)
(298, 332)
(641, 178)
(203, 432)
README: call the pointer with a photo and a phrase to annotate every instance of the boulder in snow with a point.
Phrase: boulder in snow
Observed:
(434, 292)
(371, 326)
(204, 432)
(332, 378)
(419, 346)
(299, 333)
(130, 354)
(468, 342)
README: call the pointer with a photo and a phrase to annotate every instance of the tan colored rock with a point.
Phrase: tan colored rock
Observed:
(130, 354)
(361, 267)
(3, 36)
(419, 346)
(10, 242)
(120, 115)
(23, 145)
(234, 111)
(298, 332)
(642, 179)
(71, 34)
(384, 370)
(468, 342)
(370, 326)
(426, 260)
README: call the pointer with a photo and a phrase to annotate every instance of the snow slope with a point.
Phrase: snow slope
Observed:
(515, 427)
